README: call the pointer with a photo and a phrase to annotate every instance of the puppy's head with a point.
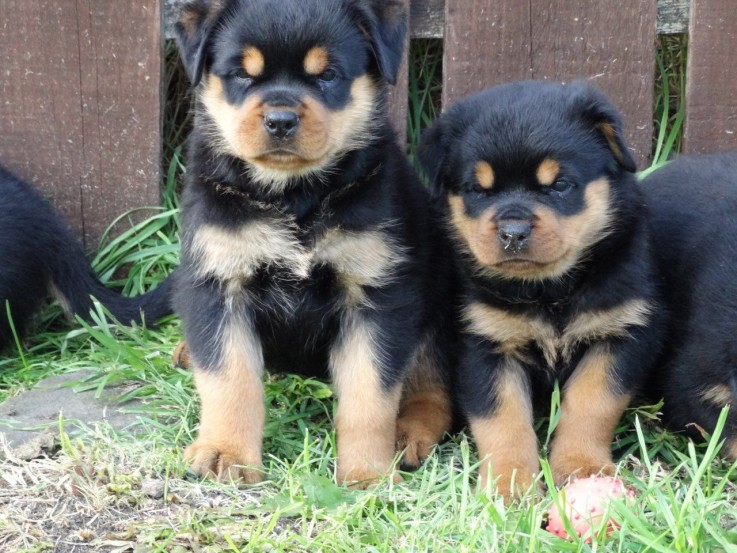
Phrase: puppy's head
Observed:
(531, 172)
(289, 86)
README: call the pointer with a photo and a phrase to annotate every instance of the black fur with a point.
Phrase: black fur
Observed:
(692, 203)
(369, 188)
(40, 254)
(514, 128)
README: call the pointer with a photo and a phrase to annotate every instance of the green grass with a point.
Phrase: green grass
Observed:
(92, 490)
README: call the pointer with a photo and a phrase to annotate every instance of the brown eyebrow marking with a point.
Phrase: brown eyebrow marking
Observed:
(484, 175)
(316, 61)
(548, 171)
(253, 61)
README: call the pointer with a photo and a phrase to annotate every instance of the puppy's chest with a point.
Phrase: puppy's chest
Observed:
(519, 334)
(278, 248)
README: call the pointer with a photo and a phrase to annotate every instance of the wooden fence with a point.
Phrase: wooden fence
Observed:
(81, 104)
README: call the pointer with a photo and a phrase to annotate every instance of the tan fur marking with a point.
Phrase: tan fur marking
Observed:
(253, 61)
(180, 357)
(611, 137)
(595, 325)
(322, 138)
(506, 441)
(730, 449)
(366, 412)
(513, 332)
(360, 259)
(425, 411)
(235, 255)
(547, 171)
(719, 395)
(590, 411)
(233, 411)
(484, 175)
(316, 61)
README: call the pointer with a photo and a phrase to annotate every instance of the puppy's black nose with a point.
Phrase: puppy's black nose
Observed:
(514, 235)
(281, 123)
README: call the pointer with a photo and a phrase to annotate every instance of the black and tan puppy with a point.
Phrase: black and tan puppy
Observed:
(40, 257)
(308, 242)
(553, 241)
(693, 205)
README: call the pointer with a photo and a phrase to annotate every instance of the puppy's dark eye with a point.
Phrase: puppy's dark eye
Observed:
(561, 186)
(328, 75)
(242, 76)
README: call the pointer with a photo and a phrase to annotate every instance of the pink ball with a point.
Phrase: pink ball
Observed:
(585, 501)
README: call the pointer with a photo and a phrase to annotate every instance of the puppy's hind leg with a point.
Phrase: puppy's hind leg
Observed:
(425, 412)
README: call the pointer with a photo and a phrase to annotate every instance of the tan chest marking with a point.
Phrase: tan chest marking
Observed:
(514, 332)
(236, 254)
(359, 258)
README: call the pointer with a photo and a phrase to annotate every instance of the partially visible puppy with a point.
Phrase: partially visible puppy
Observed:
(309, 245)
(40, 257)
(693, 221)
(550, 227)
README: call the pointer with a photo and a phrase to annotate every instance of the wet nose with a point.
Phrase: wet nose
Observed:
(514, 235)
(281, 123)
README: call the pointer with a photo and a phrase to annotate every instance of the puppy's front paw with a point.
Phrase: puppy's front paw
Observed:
(361, 476)
(223, 464)
(579, 464)
(511, 480)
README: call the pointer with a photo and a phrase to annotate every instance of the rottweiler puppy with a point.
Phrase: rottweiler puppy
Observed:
(308, 245)
(692, 203)
(41, 257)
(550, 229)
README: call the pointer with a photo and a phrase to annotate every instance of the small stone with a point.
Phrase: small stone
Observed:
(153, 488)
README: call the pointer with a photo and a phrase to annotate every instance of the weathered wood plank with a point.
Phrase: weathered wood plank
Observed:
(673, 16)
(398, 95)
(428, 17)
(711, 78)
(81, 109)
(487, 42)
(614, 48)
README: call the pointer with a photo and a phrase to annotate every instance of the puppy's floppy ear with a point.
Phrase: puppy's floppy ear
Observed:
(193, 33)
(385, 24)
(594, 107)
(432, 154)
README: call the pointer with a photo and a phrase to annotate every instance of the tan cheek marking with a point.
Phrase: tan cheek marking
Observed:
(366, 412)
(512, 332)
(506, 440)
(240, 131)
(548, 171)
(351, 127)
(484, 175)
(253, 61)
(590, 412)
(232, 410)
(316, 61)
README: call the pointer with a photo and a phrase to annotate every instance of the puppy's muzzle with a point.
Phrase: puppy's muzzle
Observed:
(281, 123)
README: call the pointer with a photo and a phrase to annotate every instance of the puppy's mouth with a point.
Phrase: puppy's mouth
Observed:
(284, 159)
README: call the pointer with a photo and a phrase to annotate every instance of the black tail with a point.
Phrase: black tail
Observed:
(39, 255)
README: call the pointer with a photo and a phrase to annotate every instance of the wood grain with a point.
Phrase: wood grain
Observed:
(81, 110)
(711, 77)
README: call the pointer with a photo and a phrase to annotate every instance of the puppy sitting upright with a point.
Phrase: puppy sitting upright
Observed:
(551, 232)
(308, 242)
